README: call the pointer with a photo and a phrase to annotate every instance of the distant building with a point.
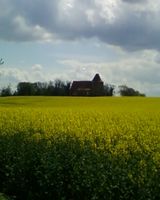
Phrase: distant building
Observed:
(88, 88)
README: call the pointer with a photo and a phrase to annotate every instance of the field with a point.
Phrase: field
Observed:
(80, 148)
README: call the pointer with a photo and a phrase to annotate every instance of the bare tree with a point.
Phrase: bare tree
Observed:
(1, 61)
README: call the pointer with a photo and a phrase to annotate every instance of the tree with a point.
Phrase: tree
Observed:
(50, 89)
(25, 89)
(126, 91)
(59, 88)
(109, 90)
(1, 61)
(6, 91)
(67, 88)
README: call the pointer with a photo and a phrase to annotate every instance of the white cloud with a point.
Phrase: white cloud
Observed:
(108, 9)
(27, 31)
(35, 73)
(132, 25)
(126, 23)
(133, 70)
(37, 67)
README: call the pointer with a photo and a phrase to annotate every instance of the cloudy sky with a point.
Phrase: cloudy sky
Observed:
(74, 39)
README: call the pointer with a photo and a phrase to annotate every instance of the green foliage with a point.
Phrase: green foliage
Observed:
(126, 91)
(3, 197)
(108, 90)
(6, 91)
(80, 148)
(56, 88)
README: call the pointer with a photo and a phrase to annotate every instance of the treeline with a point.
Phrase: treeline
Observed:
(56, 88)
(127, 91)
(60, 88)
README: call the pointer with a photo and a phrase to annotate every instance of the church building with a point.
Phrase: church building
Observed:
(88, 88)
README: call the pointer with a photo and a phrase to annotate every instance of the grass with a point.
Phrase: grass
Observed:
(80, 148)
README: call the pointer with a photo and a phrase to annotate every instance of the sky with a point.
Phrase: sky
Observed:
(74, 39)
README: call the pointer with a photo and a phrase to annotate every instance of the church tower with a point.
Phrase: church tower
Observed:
(97, 86)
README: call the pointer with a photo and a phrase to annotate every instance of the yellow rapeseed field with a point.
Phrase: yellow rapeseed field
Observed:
(80, 148)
